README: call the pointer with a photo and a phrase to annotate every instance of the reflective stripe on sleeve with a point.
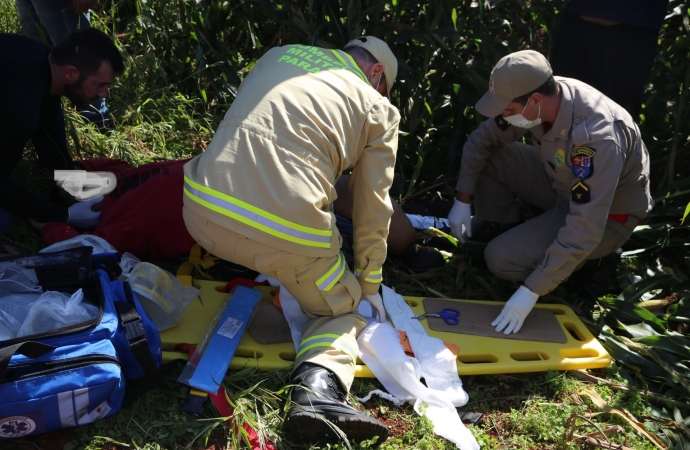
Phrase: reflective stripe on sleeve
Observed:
(327, 340)
(330, 278)
(375, 276)
(255, 217)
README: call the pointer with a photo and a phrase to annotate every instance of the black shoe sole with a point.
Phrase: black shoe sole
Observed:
(304, 425)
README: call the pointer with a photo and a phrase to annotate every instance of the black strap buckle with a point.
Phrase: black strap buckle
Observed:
(134, 330)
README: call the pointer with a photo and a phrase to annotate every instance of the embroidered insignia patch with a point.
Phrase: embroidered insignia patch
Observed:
(501, 122)
(491, 86)
(580, 193)
(560, 157)
(583, 162)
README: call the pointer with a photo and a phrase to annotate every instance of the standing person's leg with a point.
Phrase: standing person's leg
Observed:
(614, 59)
(50, 21)
(622, 56)
(57, 17)
(568, 56)
(30, 22)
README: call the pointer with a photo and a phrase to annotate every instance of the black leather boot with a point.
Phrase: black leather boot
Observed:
(319, 405)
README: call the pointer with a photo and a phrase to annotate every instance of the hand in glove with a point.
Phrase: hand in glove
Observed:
(460, 215)
(377, 305)
(514, 312)
(82, 217)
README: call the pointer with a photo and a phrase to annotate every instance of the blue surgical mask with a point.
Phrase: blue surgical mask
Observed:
(521, 122)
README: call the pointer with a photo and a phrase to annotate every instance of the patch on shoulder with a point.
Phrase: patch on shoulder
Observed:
(501, 122)
(580, 193)
(583, 162)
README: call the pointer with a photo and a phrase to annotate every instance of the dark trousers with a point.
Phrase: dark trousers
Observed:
(615, 59)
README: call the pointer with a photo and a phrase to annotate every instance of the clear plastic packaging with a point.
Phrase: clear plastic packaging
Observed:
(127, 263)
(162, 295)
(54, 310)
(13, 310)
(15, 279)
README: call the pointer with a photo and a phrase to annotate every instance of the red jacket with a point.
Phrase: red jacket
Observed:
(143, 215)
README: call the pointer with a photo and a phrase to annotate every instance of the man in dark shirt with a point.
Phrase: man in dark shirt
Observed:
(81, 67)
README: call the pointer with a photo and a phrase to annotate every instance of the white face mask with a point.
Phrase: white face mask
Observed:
(521, 122)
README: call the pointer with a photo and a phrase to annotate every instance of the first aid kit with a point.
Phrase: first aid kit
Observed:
(87, 340)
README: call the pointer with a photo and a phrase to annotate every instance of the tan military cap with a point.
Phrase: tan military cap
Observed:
(514, 75)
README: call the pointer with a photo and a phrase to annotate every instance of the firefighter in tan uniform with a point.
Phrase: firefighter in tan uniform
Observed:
(587, 168)
(261, 195)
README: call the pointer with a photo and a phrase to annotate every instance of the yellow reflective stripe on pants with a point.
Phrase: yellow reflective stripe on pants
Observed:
(346, 59)
(375, 276)
(334, 274)
(326, 340)
(255, 217)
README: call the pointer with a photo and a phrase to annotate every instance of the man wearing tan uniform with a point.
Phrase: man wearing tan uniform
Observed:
(261, 195)
(587, 168)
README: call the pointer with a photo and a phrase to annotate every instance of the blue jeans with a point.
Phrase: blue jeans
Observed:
(50, 21)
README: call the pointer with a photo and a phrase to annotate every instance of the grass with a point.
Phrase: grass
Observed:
(183, 66)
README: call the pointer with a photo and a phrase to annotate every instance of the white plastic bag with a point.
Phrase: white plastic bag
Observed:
(99, 245)
(13, 310)
(162, 295)
(55, 310)
(15, 279)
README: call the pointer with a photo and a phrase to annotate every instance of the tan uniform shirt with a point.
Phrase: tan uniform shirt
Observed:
(301, 117)
(595, 156)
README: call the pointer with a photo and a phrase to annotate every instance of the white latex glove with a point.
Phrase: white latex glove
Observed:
(82, 217)
(516, 309)
(377, 304)
(460, 214)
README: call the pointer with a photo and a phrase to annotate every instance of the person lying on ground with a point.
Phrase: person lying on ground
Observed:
(402, 234)
(143, 215)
